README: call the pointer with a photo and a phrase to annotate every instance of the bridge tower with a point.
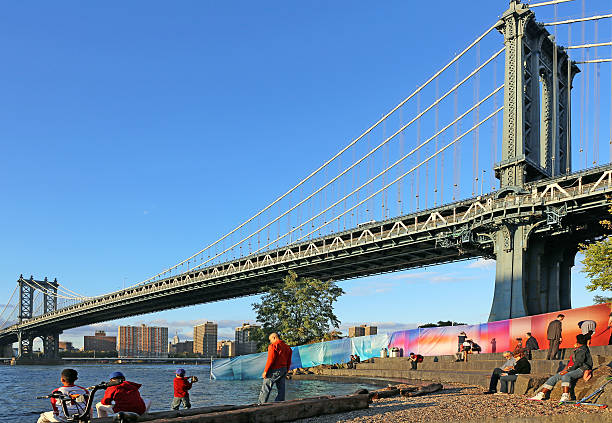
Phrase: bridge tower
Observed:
(27, 287)
(533, 271)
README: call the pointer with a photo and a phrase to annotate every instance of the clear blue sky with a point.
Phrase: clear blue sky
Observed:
(135, 133)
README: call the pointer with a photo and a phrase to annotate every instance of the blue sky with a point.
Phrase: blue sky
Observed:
(135, 133)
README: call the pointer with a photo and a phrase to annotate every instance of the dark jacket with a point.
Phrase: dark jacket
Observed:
(582, 359)
(532, 344)
(522, 367)
(554, 330)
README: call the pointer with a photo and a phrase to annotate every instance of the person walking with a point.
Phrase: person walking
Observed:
(277, 366)
(553, 334)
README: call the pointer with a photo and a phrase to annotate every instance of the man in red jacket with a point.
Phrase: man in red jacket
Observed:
(124, 395)
(277, 366)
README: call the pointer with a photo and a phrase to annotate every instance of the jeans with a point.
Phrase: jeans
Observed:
(177, 401)
(274, 377)
(503, 382)
(494, 379)
(565, 379)
(553, 349)
(413, 365)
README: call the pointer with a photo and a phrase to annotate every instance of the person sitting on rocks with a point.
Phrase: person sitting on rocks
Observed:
(579, 362)
(414, 360)
(121, 395)
(351, 363)
(498, 371)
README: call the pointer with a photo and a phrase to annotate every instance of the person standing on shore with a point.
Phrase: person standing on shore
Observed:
(277, 366)
(553, 334)
(182, 385)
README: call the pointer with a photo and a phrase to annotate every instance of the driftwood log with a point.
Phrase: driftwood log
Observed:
(424, 390)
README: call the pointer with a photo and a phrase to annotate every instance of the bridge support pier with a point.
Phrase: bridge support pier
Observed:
(533, 272)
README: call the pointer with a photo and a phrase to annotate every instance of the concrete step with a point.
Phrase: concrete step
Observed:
(537, 366)
(605, 350)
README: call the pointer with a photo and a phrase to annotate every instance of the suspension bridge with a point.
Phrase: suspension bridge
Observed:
(476, 162)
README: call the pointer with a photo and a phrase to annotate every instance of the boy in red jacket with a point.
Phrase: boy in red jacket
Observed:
(124, 395)
(182, 385)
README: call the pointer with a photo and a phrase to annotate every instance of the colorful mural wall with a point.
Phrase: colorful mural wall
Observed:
(492, 337)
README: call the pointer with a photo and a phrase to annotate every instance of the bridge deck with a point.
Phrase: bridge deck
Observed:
(457, 231)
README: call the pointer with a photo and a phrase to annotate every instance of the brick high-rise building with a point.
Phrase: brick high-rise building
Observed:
(370, 330)
(226, 349)
(100, 342)
(143, 341)
(363, 330)
(355, 331)
(244, 339)
(205, 339)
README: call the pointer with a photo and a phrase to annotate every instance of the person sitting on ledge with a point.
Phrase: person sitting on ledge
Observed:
(124, 395)
(414, 360)
(522, 367)
(579, 362)
(498, 371)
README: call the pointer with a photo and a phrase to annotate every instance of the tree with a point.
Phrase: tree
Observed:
(598, 299)
(300, 310)
(442, 323)
(598, 262)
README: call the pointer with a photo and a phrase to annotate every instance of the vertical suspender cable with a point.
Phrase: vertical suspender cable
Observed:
(586, 112)
(568, 113)
(436, 149)
(418, 172)
(596, 100)
(401, 148)
(456, 147)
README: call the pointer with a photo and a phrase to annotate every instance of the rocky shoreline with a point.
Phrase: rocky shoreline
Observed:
(464, 403)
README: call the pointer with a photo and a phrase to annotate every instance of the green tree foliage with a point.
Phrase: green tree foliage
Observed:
(441, 323)
(300, 310)
(598, 261)
(598, 299)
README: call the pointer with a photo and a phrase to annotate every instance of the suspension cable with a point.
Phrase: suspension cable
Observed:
(588, 46)
(548, 3)
(420, 88)
(570, 21)
(399, 161)
(594, 61)
(9, 301)
(2, 325)
(415, 119)
(415, 167)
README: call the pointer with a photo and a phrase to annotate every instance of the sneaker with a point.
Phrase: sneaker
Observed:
(565, 397)
(538, 397)
(489, 392)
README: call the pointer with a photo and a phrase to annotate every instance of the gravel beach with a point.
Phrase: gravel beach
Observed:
(454, 403)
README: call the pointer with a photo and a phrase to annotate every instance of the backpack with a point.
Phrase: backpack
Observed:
(419, 358)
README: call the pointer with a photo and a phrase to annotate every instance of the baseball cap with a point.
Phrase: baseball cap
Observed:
(180, 372)
(115, 375)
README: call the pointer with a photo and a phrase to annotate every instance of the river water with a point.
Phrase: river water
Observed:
(21, 385)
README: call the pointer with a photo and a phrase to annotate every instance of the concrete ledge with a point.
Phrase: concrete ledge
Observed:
(268, 413)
